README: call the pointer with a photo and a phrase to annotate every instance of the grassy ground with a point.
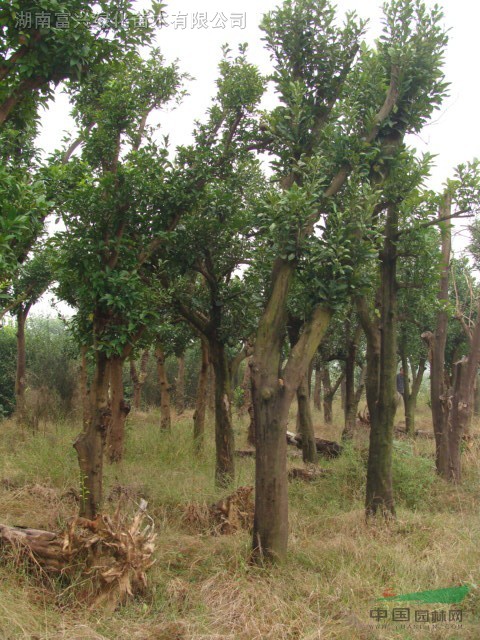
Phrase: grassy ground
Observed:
(202, 586)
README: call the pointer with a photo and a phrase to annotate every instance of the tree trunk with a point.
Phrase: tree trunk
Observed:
(476, 409)
(247, 389)
(327, 395)
(180, 386)
(20, 380)
(272, 397)
(84, 393)
(462, 401)
(317, 388)
(306, 430)
(165, 417)
(351, 402)
(224, 436)
(201, 401)
(91, 441)
(138, 379)
(437, 343)
(411, 394)
(381, 377)
(119, 412)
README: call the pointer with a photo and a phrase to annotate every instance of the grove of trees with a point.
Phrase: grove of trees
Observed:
(281, 254)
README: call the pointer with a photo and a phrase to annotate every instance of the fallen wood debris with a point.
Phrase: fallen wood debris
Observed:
(234, 513)
(326, 448)
(245, 453)
(308, 475)
(112, 552)
(227, 516)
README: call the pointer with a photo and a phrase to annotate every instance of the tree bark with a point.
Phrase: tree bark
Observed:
(20, 380)
(317, 388)
(272, 397)
(165, 414)
(462, 401)
(90, 443)
(329, 392)
(381, 337)
(84, 391)
(201, 400)
(410, 394)
(119, 412)
(306, 430)
(351, 403)
(180, 386)
(138, 378)
(437, 343)
(224, 436)
(327, 395)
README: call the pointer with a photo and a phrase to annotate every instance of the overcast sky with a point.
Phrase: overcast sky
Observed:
(453, 136)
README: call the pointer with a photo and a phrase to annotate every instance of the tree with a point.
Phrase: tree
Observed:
(197, 268)
(108, 200)
(321, 71)
(37, 51)
(451, 409)
(28, 286)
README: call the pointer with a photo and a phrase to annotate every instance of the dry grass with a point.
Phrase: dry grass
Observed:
(202, 587)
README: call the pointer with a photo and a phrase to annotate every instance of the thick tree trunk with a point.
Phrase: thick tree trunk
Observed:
(165, 415)
(180, 386)
(20, 380)
(272, 397)
(91, 441)
(119, 412)
(317, 388)
(224, 436)
(138, 378)
(201, 401)
(306, 430)
(381, 377)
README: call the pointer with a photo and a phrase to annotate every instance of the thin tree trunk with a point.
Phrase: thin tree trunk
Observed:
(20, 380)
(90, 442)
(437, 343)
(327, 395)
(462, 402)
(180, 386)
(350, 396)
(317, 389)
(201, 401)
(224, 436)
(138, 378)
(247, 389)
(410, 395)
(165, 415)
(119, 412)
(329, 392)
(306, 430)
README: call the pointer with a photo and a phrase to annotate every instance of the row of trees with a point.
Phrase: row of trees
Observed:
(335, 241)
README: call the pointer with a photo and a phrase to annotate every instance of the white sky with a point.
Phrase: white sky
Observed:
(453, 135)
